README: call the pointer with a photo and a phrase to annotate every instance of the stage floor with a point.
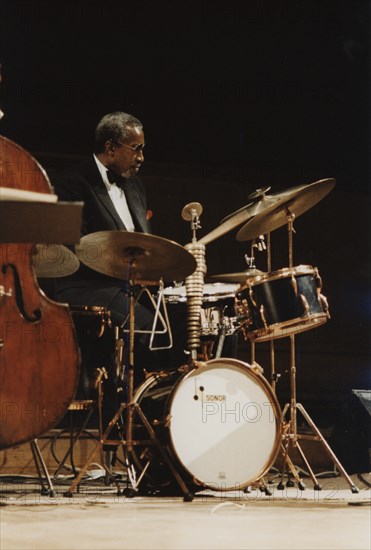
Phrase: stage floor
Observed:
(98, 517)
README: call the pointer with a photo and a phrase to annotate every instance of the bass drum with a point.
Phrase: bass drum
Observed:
(220, 424)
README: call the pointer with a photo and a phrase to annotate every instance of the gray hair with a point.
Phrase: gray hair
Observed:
(115, 126)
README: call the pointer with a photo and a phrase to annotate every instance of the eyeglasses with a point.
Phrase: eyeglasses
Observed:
(136, 150)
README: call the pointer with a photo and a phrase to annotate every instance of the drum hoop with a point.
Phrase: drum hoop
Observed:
(174, 297)
(305, 322)
(279, 274)
(275, 406)
(151, 379)
(89, 310)
(216, 297)
(206, 298)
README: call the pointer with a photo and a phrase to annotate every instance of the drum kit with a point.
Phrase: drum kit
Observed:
(214, 423)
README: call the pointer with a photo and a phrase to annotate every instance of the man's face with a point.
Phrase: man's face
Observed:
(126, 158)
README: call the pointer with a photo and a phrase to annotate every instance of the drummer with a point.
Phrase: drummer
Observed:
(114, 199)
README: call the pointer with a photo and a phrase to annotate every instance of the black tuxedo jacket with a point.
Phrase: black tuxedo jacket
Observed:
(84, 183)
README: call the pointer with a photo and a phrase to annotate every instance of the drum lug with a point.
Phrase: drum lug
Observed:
(324, 304)
(106, 320)
(317, 279)
(294, 285)
(243, 312)
(305, 305)
(262, 315)
(246, 333)
(251, 294)
(241, 306)
(257, 368)
(199, 364)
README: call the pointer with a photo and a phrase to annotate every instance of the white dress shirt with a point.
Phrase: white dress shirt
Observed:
(117, 196)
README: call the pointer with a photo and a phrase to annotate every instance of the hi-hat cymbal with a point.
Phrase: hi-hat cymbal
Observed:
(236, 277)
(54, 260)
(296, 201)
(138, 256)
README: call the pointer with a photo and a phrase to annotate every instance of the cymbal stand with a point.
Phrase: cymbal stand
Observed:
(273, 375)
(291, 436)
(132, 407)
(128, 443)
(194, 283)
(195, 289)
(262, 246)
(261, 483)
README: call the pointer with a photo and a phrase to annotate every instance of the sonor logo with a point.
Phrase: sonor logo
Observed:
(216, 397)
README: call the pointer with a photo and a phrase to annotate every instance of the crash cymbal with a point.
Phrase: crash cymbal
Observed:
(259, 202)
(127, 255)
(236, 277)
(293, 201)
(54, 260)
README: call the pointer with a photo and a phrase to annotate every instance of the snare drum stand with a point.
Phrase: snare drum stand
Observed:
(290, 438)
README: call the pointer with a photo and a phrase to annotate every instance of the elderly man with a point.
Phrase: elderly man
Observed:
(114, 199)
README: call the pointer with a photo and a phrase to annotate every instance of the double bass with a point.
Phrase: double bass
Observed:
(39, 353)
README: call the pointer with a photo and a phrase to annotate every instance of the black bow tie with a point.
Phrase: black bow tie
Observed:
(114, 178)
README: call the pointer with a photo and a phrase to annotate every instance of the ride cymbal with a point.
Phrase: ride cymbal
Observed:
(135, 256)
(294, 201)
(260, 201)
(54, 260)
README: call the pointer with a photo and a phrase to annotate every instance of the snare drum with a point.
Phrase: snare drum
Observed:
(220, 423)
(281, 303)
(92, 324)
(217, 307)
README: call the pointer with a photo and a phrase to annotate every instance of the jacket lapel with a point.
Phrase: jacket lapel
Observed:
(98, 187)
(136, 207)
(135, 203)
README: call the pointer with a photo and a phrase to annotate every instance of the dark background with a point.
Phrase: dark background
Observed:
(234, 96)
(265, 91)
